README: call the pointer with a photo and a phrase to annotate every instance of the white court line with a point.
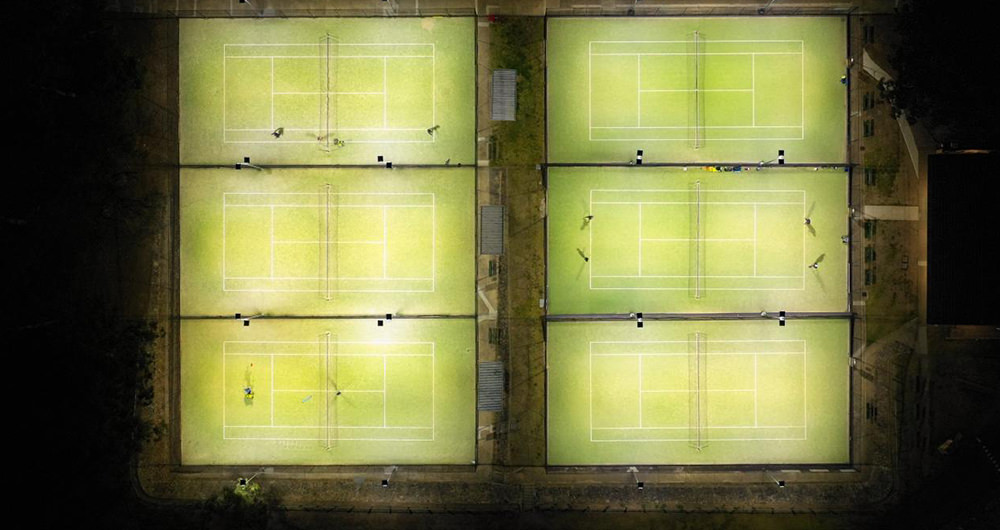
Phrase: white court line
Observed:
(272, 205)
(690, 276)
(223, 242)
(320, 278)
(755, 390)
(272, 241)
(323, 391)
(257, 129)
(590, 90)
(712, 341)
(337, 290)
(683, 190)
(687, 288)
(271, 98)
(377, 342)
(384, 387)
(687, 392)
(641, 391)
(222, 388)
(691, 202)
(689, 54)
(434, 87)
(802, 68)
(638, 88)
(273, 369)
(278, 354)
(262, 57)
(717, 427)
(385, 92)
(342, 44)
(433, 242)
(756, 203)
(640, 239)
(384, 57)
(770, 138)
(342, 439)
(590, 235)
(751, 54)
(433, 392)
(304, 241)
(685, 440)
(647, 127)
(339, 193)
(717, 354)
(755, 239)
(318, 93)
(590, 360)
(667, 239)
(740, 41)
(690, 90)
(397, 427)
(385, 245)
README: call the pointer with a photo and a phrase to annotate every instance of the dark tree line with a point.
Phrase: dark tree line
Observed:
(946, 60)
(72, 211)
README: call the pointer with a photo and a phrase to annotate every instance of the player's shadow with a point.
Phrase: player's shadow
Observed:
(819, 277)
(583, 264)
(809, 216)
(248, 383)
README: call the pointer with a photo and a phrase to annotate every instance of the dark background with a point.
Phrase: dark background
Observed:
(75, 208)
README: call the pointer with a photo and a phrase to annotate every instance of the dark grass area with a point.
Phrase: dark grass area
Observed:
(518, 43)
(78, 215)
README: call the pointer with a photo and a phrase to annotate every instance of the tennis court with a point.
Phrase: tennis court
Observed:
(327, 241)
(328, 392)
(696, 89)
(327, 91)
(671, 240)
(698, 392)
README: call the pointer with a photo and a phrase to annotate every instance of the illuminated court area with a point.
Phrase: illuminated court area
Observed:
(328, 242)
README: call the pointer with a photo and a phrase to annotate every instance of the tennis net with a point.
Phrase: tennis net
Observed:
(697, 392)
(696, 251)
(327, 251)
(329, 51)
(697, 103)
(331, 389)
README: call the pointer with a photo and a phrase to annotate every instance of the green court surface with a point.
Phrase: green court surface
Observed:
(376, 84)
(327, 241)
(328, 392)
(696, 89)
(698, 392)
(696, 241)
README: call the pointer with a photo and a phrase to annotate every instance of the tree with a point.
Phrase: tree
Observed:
(944, 60)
